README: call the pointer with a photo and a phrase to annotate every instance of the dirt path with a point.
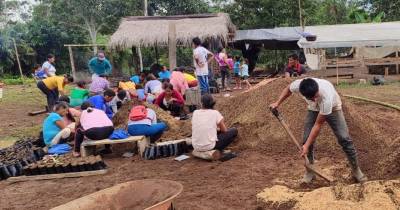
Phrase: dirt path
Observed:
(226, 185)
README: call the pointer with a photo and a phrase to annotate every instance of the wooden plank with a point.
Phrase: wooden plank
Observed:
(172, 45)
(341, 75)
(37, 112)
(71, 58)
(56, 176)
(374, 101)
(397, 65)
(116, 141)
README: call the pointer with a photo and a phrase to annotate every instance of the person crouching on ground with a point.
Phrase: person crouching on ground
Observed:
(170, 100)
(94, 124)
(55, 131)
(101, 102)
(143, 121)
(294, 68)
(99, 85)
(72, 113)
(209, 131)
(52, 87)
(324, 105)
(79, 94)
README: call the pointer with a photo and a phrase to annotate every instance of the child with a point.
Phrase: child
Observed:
(118, 100)
(79, 94)
(99, 85)
(245, 73)
(55, 131)
(236, 71)
(39, 72)
(93, 124)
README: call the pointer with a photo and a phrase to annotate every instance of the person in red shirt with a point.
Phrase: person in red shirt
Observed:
(294, 68)
(170, 100)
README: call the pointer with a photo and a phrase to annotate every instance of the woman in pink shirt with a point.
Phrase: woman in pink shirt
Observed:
(178, 80)
(94, 124)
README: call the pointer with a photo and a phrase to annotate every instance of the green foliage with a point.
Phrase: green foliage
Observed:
(177, 7)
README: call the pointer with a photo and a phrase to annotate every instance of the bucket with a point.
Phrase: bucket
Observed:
(148, 194)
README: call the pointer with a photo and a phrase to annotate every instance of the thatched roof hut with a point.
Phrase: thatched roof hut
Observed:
(153, 30)
(145, 31)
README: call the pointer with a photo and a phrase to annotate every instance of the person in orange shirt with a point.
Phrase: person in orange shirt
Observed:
(52, 87)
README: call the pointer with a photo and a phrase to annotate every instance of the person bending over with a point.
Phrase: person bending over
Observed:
(55, 131)
(52, 87)
(94, 124)
(324, 105)
(143, 121)
(170, 100)
(79, 94)
(101, 102)
(99, 85)
(178, 80)
(294, 67)
(209, 131)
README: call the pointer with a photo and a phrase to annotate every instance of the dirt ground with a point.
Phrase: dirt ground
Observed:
(266, 158)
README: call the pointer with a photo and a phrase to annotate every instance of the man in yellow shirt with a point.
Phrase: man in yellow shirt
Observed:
(52, 87)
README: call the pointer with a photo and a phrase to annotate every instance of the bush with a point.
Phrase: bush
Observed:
(15, 80)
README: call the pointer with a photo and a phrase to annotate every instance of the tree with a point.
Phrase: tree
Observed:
(177, 7)
(93, 16)
(391, 8)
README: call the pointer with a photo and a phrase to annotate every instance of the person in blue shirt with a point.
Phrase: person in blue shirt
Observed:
(100, 102)
(164, 75)
(236, 71)
(100, 65)
(55, 130)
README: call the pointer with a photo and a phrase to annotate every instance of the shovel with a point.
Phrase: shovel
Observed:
(307, 164)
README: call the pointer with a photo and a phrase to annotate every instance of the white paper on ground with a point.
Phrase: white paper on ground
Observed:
(182, 157)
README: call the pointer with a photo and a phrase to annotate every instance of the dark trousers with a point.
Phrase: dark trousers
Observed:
(224, 139)
(52, 95)
(92, 134)
(225, 76)
(339, 127)
(175, 108)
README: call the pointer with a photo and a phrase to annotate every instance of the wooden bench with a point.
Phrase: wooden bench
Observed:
(141, 140)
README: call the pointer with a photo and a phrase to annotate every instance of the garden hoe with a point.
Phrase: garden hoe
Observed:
(307, 162)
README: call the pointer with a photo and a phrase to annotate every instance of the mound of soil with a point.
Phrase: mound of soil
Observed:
(259, 130)
(374, 195)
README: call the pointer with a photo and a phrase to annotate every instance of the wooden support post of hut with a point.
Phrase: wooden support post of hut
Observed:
(172, 45)
(149, 31)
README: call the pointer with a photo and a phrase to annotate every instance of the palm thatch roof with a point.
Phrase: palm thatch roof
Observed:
(153, 30)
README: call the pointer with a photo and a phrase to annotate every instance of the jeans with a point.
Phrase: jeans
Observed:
(225, 76)
(338, 125)
(204, 86)
(224, 139)
(92, 134)
(154, 131)
(52, 95)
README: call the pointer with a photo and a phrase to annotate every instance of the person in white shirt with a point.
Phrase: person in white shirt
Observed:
(48, 67)
(201, 58)
(209, 131)
(324, 105)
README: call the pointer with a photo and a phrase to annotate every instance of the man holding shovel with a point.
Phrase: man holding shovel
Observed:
(324, 105)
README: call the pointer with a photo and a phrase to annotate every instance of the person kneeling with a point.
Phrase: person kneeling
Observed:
(205, 124)
(171, 100)
(55, 130)
(94, 124)
(143, 121)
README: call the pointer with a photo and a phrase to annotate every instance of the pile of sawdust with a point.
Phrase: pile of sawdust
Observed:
(369, 196)
(260, 130)
(177, 129)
